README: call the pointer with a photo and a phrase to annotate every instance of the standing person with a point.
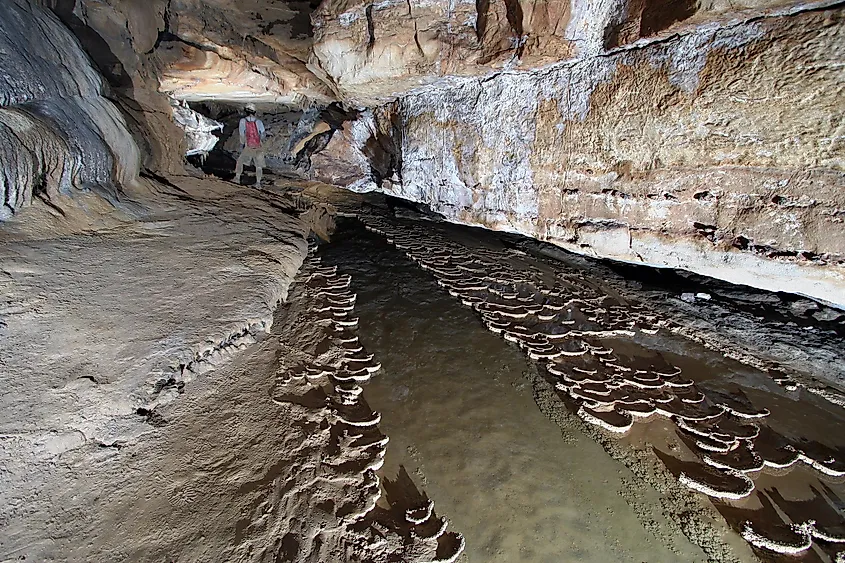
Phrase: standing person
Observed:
(251, 131)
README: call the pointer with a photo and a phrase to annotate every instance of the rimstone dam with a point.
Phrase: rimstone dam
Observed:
(422, 281)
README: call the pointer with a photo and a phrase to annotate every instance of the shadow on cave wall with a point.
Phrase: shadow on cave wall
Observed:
(644, 18)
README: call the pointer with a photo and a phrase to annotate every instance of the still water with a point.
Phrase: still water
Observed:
(458, 404)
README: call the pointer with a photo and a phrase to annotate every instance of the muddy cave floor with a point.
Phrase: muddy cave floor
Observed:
(246, 459)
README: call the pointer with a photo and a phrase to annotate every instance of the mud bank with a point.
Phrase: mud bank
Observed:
(108, 316)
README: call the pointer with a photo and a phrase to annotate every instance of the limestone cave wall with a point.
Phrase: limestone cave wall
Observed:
(374, 51)
(58, 132)
(716, 150)
(706, 137)
(121, 39)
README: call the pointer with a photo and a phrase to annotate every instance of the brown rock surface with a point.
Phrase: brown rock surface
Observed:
(252, 51)
(120, 38)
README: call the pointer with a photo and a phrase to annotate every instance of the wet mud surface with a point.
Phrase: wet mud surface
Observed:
(770, 462)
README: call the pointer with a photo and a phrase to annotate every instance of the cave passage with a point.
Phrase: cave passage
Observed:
(576, 273)
(460, 405)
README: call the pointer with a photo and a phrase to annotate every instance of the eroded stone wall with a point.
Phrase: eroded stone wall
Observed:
(121, 39)
(371, 52)
(717, 151)
(58, 133)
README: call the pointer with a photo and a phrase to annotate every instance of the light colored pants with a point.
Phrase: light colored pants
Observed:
(250, 155)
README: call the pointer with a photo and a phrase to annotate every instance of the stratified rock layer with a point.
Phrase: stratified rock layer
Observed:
(714, 151)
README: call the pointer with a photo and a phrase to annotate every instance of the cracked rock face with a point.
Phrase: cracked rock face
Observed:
(376, 51)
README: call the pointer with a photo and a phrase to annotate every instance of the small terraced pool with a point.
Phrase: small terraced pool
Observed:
(551, 419)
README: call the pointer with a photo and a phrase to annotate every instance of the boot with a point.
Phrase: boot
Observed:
(237, 180)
